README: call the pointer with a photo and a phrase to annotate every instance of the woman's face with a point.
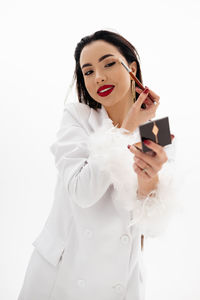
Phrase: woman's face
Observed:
(106, 80)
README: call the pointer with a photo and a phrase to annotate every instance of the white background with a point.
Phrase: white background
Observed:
(36, 66)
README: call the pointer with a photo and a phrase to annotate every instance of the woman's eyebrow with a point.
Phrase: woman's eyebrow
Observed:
(100, 59)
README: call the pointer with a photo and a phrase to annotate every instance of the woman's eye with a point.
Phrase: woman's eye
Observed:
(107, 65)
(88, 73)
(110, 64)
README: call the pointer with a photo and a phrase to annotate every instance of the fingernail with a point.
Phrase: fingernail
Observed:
(129, 146)
(147, 142)
(146, 91)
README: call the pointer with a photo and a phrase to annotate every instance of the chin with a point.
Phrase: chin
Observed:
(106, 101)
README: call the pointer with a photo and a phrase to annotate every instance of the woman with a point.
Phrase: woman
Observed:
(108, 194)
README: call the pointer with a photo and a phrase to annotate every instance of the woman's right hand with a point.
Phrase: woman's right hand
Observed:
(136, 115)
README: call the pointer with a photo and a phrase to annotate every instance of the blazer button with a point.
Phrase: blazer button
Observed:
(119, 289)
(125, 239)
(81, 283)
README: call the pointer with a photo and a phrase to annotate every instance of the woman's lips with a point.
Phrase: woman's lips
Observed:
(105, 90)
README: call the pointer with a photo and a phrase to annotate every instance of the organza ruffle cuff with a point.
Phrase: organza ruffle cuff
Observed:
(108, 147)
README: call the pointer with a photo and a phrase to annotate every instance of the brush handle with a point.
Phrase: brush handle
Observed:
(140, 85)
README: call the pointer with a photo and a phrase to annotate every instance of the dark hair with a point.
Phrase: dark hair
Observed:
(124, 47)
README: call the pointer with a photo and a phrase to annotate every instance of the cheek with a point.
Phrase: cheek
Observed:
(87, 85)
(90, 87)
(126, 86)
(124, 79)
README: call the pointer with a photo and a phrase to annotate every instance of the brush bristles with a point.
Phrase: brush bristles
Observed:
(125, 66)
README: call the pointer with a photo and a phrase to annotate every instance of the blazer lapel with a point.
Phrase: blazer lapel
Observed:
(97, 117)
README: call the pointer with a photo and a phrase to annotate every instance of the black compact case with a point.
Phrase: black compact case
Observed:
(157, 131)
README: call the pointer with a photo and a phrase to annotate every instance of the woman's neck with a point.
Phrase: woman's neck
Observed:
(118, 112)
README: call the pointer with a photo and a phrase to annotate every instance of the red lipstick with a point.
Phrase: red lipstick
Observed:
(105, 90)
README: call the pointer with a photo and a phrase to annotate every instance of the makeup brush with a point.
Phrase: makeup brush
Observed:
(135, 79)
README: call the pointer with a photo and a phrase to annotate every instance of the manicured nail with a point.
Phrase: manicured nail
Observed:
(146, 91)
(147, 142)
(129, 146)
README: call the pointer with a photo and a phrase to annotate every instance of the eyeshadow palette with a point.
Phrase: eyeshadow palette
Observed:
(157, 131)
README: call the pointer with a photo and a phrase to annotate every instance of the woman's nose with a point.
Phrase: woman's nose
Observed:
(100, 77)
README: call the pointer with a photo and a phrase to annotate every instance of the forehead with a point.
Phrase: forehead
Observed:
(93, 51)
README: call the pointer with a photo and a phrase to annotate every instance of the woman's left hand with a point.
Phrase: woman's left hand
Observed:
(147, 165)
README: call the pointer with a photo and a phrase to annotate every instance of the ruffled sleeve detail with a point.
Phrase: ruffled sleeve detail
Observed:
(108, 147)
(154, 212)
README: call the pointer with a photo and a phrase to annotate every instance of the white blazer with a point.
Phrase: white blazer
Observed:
(90, 246)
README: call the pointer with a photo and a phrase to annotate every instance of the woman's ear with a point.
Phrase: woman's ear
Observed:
(133, 67)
